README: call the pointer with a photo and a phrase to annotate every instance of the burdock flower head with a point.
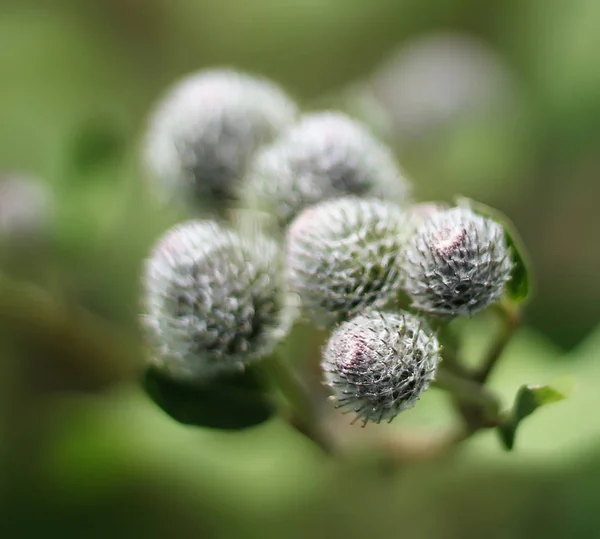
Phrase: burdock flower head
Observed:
(324, 156)
(214, 301)
(457, 263)
(204, 131)
(344, 255)
(378, 364)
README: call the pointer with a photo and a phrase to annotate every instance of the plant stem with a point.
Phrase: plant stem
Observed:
(450, 354)
(305, 415)
(469, 394)
(398, 450)
(511, 318)
(70, 337)
(478, 407)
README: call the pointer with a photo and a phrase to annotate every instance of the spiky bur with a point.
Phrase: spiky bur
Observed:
(344, 255)
(326, 155)
(203, 133)
(214, 301)
(457, 263)
(378, 364)
(26, 208)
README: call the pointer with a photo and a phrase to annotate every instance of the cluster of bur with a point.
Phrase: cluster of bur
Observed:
(338, 237)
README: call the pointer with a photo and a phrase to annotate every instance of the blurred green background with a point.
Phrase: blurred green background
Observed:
(85, 454)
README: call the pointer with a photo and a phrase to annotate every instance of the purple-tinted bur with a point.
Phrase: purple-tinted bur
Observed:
(457, 263)
(378, 364)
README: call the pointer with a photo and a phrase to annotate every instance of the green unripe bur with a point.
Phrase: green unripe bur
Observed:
(378, 364)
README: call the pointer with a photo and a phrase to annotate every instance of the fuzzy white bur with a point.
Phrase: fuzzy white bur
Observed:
(457, 263)
(204, 131)
(214, 301)
(325, 155)
(378, 364)
(344, 255)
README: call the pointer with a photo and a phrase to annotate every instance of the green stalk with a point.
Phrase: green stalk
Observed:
(71, 337)
(450, 352)
(470, 395)
(305, 415)
(511, 319)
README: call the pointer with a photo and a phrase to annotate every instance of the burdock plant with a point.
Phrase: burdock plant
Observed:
(325, 155)
(378, 363)
(384, 278)
(457, 263)
(345, 255)
(204, 131)
(214, 300)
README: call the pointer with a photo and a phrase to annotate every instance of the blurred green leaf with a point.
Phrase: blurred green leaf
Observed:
(519, 286)
(228, 403)
(528, 399)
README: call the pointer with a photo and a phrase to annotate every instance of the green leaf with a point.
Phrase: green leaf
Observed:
(229, 402)
(519, 287)
(528, 399)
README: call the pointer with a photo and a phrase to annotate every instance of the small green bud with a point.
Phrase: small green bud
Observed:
(344, 255)
(203, 133)
(457, 263)
(378, 364)
(214, 301)
(326, 155)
